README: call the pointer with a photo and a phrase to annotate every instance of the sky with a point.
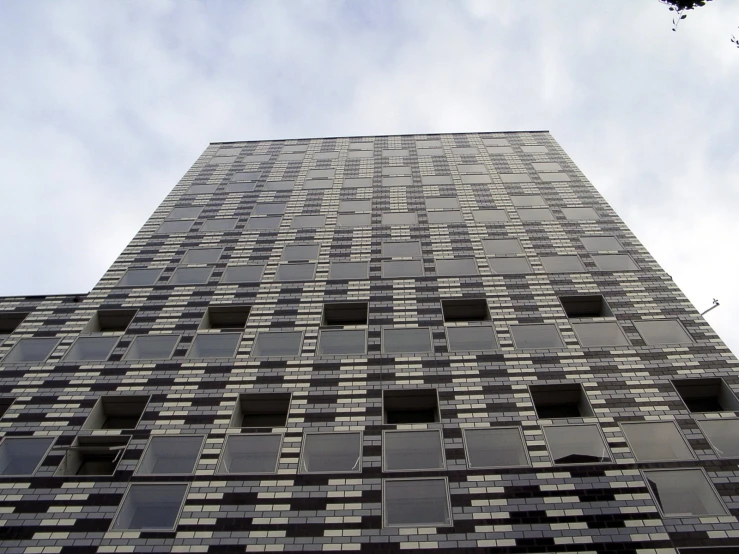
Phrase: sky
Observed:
(105, 105)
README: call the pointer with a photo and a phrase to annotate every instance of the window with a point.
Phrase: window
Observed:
(723, 434)
(428, 143)
(361, 146)
(334, 342)
(345, 313)
(442, 203)
(471, 179)
(246, 176)
(202, 255)
(471, 338)
(445, 216)
(224, 224)
(600, 334)
(400, 180)
(387, 153)
(116, 412)
(266, 409)
(257, 453)
(277, 343)
(225, 151)
(402, 406)
(269, 208)
(578, 214)
(436, 180)
(139, 277)
(562, 264)
(251, 273)
(560, 401)
(706, 395)
(497, 150)
(326, 155)
(318, 184)
(264, 222)
(149, 506)
(354, 220)
(292, 148)
(585, 306)
(536, 335)
(357, 182)
(508, 266)
(472, 168)
(551, 177)
(295, 272)
(614, 262)
(495, 142)
(495, 447)
(396, 170)
(178, 226)
(87, 349)
(300, 252)
(5, 404)
(528, 200)
(309, 221)
(184, 213)
(534, 149)
(240, 187)
(665, 331)
(546, 166)
(331, 453)
(292, 157)
(355, 205)
(415, 502)
(226, 317)
(190, 276)
(31, 350)
(222, 159)
(684, 492)
(92, 456)
(201, 189)
(214, 345)
(494, 247)
(656, 441)
(601, 244)
(489, 216)
(456, 266)
(22, 455)
(256, 158)
(465, 309)
(320, 174)
(9, 322)
(170, 455)
(348, 270)
(402, 268)
(515, 177)
(401, 249)
(152, 347)
(399, 218)
(535, 214)
(279, 185)
(412, 450)
(576, 444)
(406, 340)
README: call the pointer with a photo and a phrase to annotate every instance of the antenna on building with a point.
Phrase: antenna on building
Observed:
(715, 305)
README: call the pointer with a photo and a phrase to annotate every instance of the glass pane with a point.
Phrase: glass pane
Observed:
(251, 454)
(536, 214)
(140, 277)
(412, 450)
(495, 447)
(551, 177)
(354, 220)
(502, 246)
(472, 179)
(320, 174)
(355, 205)
(201, 189)
(405, 249)
(416, 502)
(442, 203)
(277, 343)
(684, 492)
(397, 181)
(358, 182)
(21, 456)
(242, 273)
(396, 170)
(387, 153)
(91, 348)
(493, 150)
(534, 149)
(31, 350)
(246, 176)
(184, 213)
(174, 227)
(456, 266)
(202, 255)
(219, 224)
(580, 213)
(151, 507)
(348, 270)
(429, 143)
(258, 223)
(723, 435)
(151, 347)
(507, 266)
(295, 272)
(190, 276)
(240, 187)
(166, 455)
(329, 452)
(318, 184)
(528, 200)
(436, 180)
(342, 341)
(536, 336)
(576, 444)
(256, 158)
(399, 218)
(471, 338)
(297, 252)
(547, 166)
(655, 442)
(614, 262)
(515, 177)
(600, 334)
(309, 221)
(398, 341)
(215, 345)
(662, 332)
(402, 268)
(447, 216)
(484, 216)
(279, 185)
(562, 264)
(269, 208)
(600, 244)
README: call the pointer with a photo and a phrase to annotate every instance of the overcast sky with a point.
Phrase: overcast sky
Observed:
(105, 105)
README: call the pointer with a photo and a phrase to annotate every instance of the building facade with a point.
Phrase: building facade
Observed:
(419, 342)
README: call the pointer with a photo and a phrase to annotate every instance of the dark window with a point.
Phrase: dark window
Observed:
(225, 224)
(495, 447)
(300, 252)
(334, 342)
(471, 337)
(401, 249)
(190, 276)
(723, 435)
(139, 277)
(509, 266)
(152, 347)
(184, 213)
(240, 187)
(416, 502)
(201, 189)
(406, 340)
(109, 321)
(535, 214)
(170, 455)
(22, 455)
(585, 306)
(412, 450)
(456, 266)
(269, 208)
(86, 349)
(398, 269)
(410, 406)
(31, 350)
(656, 441)
(560, 401)
(177, 226)
(150, 506)
(263, 222)
(562, 264)
(252, 453)
(277, 343)
(309, 221)
(576, 444)
(345, 313)
(331, 453)
(93, 456)
(465, 309)
(116, 412)
(295, 272)
(226, 317)
(214, 345)
(540, 335)
(348, 270)
(502, 246)
(265, 409)
(707, 395)
(9, 322)
(5, 404)
(243, 273)
(684, 492)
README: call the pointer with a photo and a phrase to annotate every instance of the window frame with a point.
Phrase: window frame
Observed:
(386, 524)
(691, 453)
(113, 522)
(321, 353)
(550, 452)
(654, 495)
(302, 469)
(442, 451)
(195, 338)
(275, 331)
(636, 323)
(96, 336)
(563, 345)
(188, 267)
(51, 442)
(412, 353)
(130, 269)
(474, 429)
(219, 464)
(475, 324)
(6, 360)
(125, 357)
(138, 471)
(225, 269)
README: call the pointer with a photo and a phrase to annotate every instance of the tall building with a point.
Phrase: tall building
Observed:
(420, 342)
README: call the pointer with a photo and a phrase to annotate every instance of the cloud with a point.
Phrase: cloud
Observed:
(110, 103)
